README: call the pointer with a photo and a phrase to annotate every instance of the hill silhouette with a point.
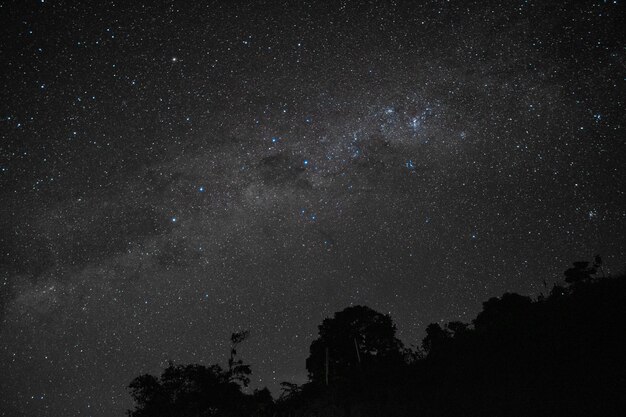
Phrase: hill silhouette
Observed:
(563, 354)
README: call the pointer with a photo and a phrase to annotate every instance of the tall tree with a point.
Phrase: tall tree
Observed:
(357, 338)
(237, 371)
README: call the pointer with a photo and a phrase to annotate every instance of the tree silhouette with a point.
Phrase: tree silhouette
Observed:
(561, 355)
(502, 313)
(189, 390)
(581, 271)
(196, 390)
(435, 338)
(289, 389)
(237, 371)
(354, 339)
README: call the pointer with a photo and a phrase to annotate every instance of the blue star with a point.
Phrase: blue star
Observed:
(306, 162)
(410, 165)
(201, 189)
(415, 123)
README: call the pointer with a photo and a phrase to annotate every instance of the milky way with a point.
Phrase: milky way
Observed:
(175, 171)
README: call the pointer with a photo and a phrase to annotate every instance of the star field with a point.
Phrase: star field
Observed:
(171, 172)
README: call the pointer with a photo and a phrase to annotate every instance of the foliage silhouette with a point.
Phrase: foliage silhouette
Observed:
(186, 391)
(237, 371)
(356, 339)
(196, 390)
(560, 355)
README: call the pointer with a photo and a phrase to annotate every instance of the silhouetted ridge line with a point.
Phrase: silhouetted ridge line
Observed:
(560, 355)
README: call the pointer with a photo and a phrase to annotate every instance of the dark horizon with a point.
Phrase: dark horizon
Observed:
(174, 172)
(561, 354)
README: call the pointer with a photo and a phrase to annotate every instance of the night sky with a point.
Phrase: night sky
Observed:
(174, 171)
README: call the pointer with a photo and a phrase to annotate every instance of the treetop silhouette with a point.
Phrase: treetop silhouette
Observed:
(355, 338)
(561, 355)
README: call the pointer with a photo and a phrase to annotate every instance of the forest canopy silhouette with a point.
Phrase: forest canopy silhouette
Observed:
(562, 354)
